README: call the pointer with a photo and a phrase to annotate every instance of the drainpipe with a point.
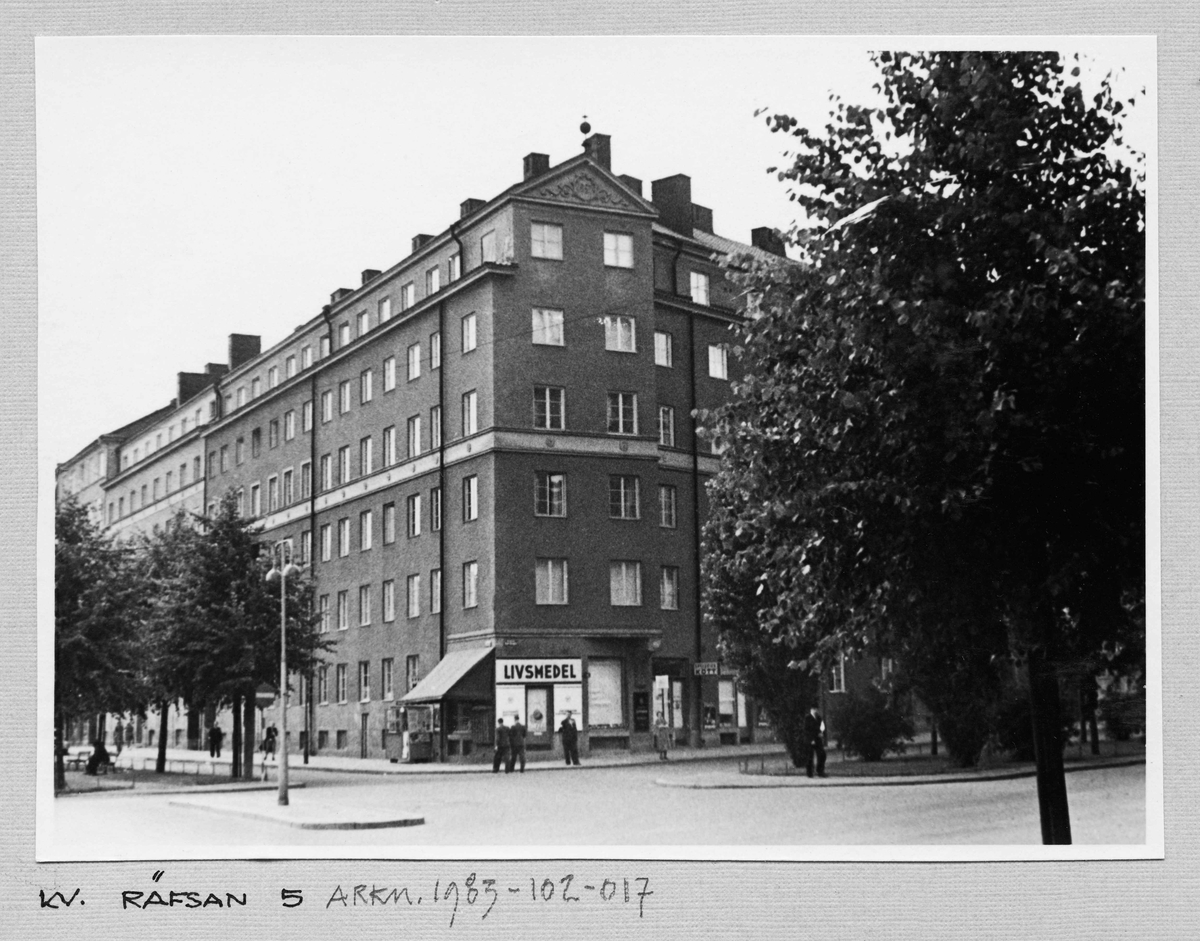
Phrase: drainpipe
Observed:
(309, 717)
(696, 522)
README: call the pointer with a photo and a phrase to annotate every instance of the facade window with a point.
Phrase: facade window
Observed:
(343, 610)
(272, 377)
(700, 288)
(718, 361)
(366, 530)
(551, 581)
(289, 425)
(620, 333)
(289, 366)
(327, 405)
(305, 480)
(306, 547)
(550, 494)
(326, 472)
(323, 610)
(326, 542)
(470, 415)
(454, 268)
(470, 496)
(622, 413)
(408, 296)
(549, 408)
(435, 591)
(256, 442)
(623, 502)
(413, 504)
(344, 397)
(366, 386)
(241, 501)
(224, 458)
(435, 350)
(255, 500)
(325, 347)
(625, 583)
(837, 679)
(667, 496)
(663, 352)
(272, 494)
(433, 280)
(344, 335)
(364, 681)
(323, 689)
(414, 362)
(239, 450)
(389, 374)
(385, 309)
(364, 605)
(389, 523)
(606, 693)
(305, 357)
(289, 490)
(240, 396)
(468, 333)
(618, 250)
(414, 436)
(413, 587)
(470, 584)
(385, 679)
(343, 537)
(487, 247)
(545, 240)
(666, 426)
(273, 433)
(340, 679)
(547, 327)
(307, 416)
(155, 489)
(344, 464)
(412, 671)
(389, 445)
(389, 601)
(435, 508)
(366, 456)
(669, 588)
(255, 388)
(212, 463)
(364, 323)
(170, 481)
(435, 427)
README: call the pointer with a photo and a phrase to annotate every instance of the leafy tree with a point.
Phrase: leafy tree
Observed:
(941, 435)
(97, 606)
(869, 726)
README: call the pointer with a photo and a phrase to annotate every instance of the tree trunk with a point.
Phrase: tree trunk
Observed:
(60, 771)
(160, 765)
(236, 745)
(1047, 742)
(248, 745)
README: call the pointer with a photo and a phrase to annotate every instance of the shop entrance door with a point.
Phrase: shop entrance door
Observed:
(537, 716)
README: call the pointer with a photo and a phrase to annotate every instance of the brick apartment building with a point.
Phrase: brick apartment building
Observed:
(486, 458)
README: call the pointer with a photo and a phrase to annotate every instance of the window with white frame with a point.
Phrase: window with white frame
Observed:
(389, 523)
(343, 537)
(435, 350)
(385, 678)
(272, 377)
(547, 329)
(325, 347)
(305, 357)
(306, 547)
(327, 405)
(435, 591)
(718, 361)
(408, 296)
(306, 480)
(669, 588)
(366, 456)
(487, 246)
(326, 542)
(413, 504)
(413, 587)
(622, 413)
(625, 583)
(551, 581)
(389, 374)
(470, 416)
(389, 445)
(545, 240)
(549, 408)
(241, 400)
(454, 268)
(433, 280)
(435, 508)
(364, 605)
(306, 413)
(364, 323)
(623, 495)
(412, 671)
(326, 472)
(666, 426)
(272, 494)
(618, 250)
(366, 386)
(667, 496)
(468, 333)
(343, 610)
(385, 309)
(470, 584)
(388, 600)
(344, 397)
(344, 464)
(289, 425)
(414, 436)
(340, 677)
(344, 335)
(620, 333)
(323, 685)
(470, 497)
(255, 387)
(550, 493)
(255, 500)
(323, 610)
(699, 287)
(364, 681)
(366, 530)
(435, 427)
(663, 351)
(414, 362)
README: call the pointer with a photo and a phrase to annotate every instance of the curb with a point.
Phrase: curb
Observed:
(282, 818)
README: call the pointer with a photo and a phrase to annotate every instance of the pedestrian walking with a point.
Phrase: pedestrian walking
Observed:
(118, 737)
(215, 737)
(814, 742)
(268, 748)
(570, 739)
(502, 742)
(516, 745)
(662, 736)
(129, 734)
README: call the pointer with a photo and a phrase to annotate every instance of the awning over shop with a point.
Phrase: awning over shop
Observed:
(446, 675)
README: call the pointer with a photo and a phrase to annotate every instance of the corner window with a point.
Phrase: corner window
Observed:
(666, 426)
(470, 498)
(549, 408)
(470, 584)
(545, 240)
(618, 250)
(414, 515)
(470, 416)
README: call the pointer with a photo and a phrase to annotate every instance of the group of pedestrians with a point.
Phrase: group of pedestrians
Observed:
(510, 743)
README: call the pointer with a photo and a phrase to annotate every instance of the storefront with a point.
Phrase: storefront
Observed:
(540, 693)
(452, 706)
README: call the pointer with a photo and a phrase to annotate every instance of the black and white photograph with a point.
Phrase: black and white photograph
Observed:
(736, 448)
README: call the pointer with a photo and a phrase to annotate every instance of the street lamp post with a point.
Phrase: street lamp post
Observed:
(280, 575)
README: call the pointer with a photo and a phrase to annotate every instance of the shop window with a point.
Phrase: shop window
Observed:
(342, 739)
(725, 703)
(605, 694)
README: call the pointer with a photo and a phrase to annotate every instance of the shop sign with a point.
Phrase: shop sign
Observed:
(708, 668)
(539, 671)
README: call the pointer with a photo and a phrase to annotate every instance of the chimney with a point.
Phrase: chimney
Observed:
(672, 197)
(468, 206)
(420, 241)
(599, 148)
(242, 348)
(339, 294)
(632, 182)
(536, 165)
(769, 240)
(192, 384)
(702, 218)
(369, 275)
(216, 370)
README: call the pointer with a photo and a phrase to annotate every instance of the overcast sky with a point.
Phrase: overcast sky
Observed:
(193, 187)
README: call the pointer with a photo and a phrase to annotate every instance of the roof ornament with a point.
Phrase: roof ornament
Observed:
(585, 128)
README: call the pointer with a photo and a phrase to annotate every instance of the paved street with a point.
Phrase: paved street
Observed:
(617, 806)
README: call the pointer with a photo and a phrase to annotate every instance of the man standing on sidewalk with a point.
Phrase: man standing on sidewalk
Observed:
(502, 743)
(814, 742)
(570, 739)
(215, 735)
(516, 745)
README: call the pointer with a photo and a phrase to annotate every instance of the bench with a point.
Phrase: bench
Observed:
(79, 762)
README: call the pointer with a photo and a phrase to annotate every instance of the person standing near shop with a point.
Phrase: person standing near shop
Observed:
(503, 740)
(516, 745)
(570, 739)
(215, 737)
(118, 737)
(814, 742)
(662, 736)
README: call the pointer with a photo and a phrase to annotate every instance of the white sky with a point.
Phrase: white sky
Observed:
(193, 187)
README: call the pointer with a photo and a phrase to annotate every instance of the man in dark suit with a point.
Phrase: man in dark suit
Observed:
(570, 739)
(502, 744)
(516, 745)
(814, 742)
